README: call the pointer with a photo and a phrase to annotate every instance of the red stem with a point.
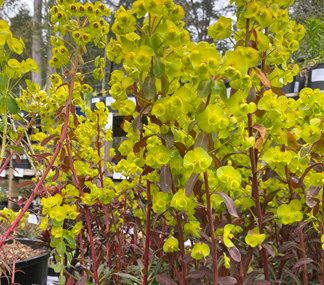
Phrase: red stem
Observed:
(255, 194)
(49, 167)
(93, 252)
(181, 237)
(301, 234)
(212, 231)
(107, 232)
(148, 232)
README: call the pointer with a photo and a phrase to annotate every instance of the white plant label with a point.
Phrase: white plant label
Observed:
(296, 87)
(18, 172)
(318, 75)
(109, 100)
(110, 121)
(118, 176)
(3, 173)
(95, 100)
(228, 92)
(32, 219)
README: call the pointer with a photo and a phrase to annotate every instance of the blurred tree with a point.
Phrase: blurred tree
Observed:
(200, 14)
(303, 10)
(21, 27)
(37, 44)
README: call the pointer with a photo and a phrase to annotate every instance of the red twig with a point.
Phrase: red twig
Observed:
(255, 194)
(212, 231)
(148, 233)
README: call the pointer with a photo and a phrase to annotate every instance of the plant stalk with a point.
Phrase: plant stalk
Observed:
(212, 230)
(255, 194)
(148, 232)
(181, 237)
(301, 234)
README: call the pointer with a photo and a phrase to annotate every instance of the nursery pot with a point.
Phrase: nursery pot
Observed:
(289, 87)
(34, 268)
(24, 163)
(299, 84)
(316, 77)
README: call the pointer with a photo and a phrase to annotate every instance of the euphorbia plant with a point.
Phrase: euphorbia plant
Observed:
(219, 190)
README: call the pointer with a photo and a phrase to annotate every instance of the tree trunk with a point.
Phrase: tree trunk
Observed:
(37, 41)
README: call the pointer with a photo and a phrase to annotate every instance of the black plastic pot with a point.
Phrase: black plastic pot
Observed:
(24, 163)
(316, 77)
(288, 88)
(35, 268)
(299, 84)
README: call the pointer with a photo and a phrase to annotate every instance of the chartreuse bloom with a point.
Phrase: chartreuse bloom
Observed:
(158, 156)
(277, 158)
(180, 201)
(171, 245)
(290, 213)
(253, 238)
(221, 30)
(193, 227)
(226, 261)
(200, 250)
(227, 236)
(160, 202)
(229, 175)
(12, 216)
(212, 119)
(197, 160)
(317, 179)
(322, 240)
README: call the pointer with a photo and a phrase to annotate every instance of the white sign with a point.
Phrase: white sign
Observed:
(3, 173)
(296, 87)
(32, 219)
(19, 172)
(109, 100)
(110, 122)
(228, 92)
(317, 75)
(118, 176)
(132, 99)
(95, 100)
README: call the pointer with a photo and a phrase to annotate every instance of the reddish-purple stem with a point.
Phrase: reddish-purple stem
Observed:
(212, 231)
(148, 233)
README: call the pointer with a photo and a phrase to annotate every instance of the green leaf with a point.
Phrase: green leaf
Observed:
(4, 79)
(97, 60)
(61, 280)
(149, 88)
(159, 67)
(204, 88)
(217, 86)
(14, 147)
(61, 248)
(305, 150)
(128, 276)
(57, 267)
(69, 239)
(12, 105)
(1, 125)
(154, 41)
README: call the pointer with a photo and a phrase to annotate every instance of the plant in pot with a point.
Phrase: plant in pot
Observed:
(20, 258)
(311, 55)
(218, 190)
